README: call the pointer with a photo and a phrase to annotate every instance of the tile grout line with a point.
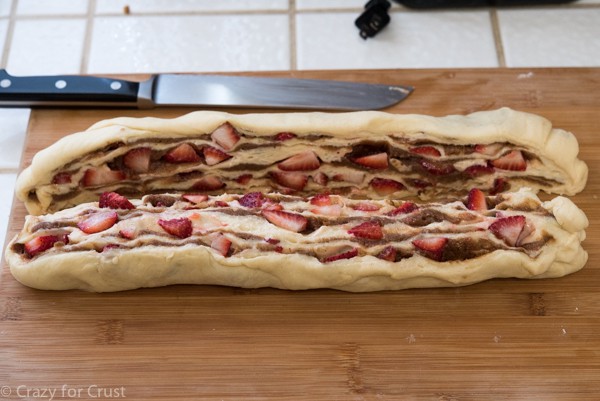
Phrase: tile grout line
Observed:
(87, 39)
(9, 34)
(497, 38)
(292, 39)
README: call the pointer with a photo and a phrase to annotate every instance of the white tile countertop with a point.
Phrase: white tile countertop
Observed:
(143, 36)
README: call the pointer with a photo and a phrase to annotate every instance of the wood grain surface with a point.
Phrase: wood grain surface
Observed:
(498, 340)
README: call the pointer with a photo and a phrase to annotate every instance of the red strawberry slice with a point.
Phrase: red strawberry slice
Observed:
(327, 210)
(405, 208)
(426, 151)
(214, 156)
(184, 153)
(295, 181)
(289, 221)
(61, 178)
(500, 185)
(321, 200)
(377, 161)
(128, 232)
(210, 183)
(489, 150)
(252, 199)
(368, 229)
(431, 247)
(366, 207)
(113, 200)
(40, 244)
(304, 161)
(244, 179)
(508, 228)
(225, 136)
(138, 160)
(271, 205)
(97, 176)
(478, 169)
(476, 200)
(284, 136)
(220, 203)
(384, 186)
(195, 198)
(354, 177)
(388, 253)
(181, 227)
(221, 244)
(513, 160)
(320, 178)
(98, 222)
(437, 168)
(342, 255)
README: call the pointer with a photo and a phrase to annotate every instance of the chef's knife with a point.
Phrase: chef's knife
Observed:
(196, 90)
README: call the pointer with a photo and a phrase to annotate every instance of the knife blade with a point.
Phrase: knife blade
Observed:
(165, 90)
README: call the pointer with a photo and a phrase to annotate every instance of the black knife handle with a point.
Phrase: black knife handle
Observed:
(66, 90)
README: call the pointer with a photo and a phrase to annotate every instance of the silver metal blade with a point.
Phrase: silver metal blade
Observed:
(216, 90)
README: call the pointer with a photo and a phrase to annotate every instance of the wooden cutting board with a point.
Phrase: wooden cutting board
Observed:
(502, 339)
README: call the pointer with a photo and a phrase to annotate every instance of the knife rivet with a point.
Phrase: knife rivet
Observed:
(115, 85)
(5, 83)
(60, 84)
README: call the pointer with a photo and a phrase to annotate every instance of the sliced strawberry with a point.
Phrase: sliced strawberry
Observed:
(221, 244)
(508, 229)
(354, 177)
(128, 232)
(437, 168)
(366, 207)
(377, 161)
(426, 151)
(284, 136)
(181, 227)
(415, 182)
(220, 203)
(244, 179)
(513, 160)
(195, 198)
(210, 183)
(321, 200)
(388, 253)
(432, 247)
(96, 176)
(138, 160)
(499, 185)
(225, 136)
(327, 210)
(98, 222)
(61, 178)
(342, 255)
(214, 156)
(184, 153)
(321, 179)
(252, 199)
(476, 200)
(368, 229)
(295, 181)
(289, 221)
(478, 169)
(304, 161)
(113, 200)
(384, 186)
(271, 205)
(40, 244)
(405, 208)
(489, 150)
(272, 241)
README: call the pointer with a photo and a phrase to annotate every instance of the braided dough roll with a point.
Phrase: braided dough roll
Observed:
(295, 242)
(358, 155)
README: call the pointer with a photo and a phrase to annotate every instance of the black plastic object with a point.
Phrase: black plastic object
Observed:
(374, 18)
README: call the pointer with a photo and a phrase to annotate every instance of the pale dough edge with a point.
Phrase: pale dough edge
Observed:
(161, 266)
(556, 147)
